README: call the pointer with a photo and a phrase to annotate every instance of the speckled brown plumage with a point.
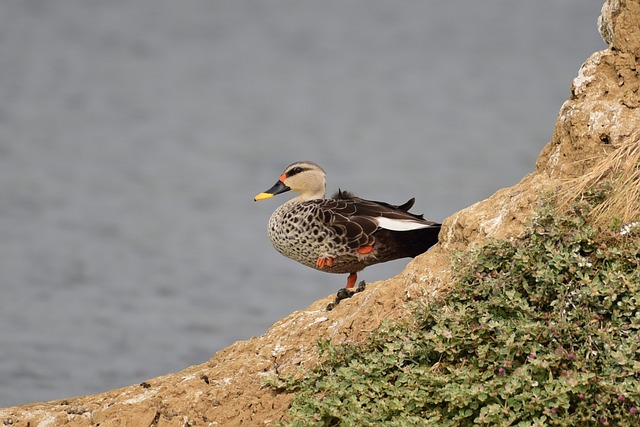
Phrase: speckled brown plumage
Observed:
(345, 233)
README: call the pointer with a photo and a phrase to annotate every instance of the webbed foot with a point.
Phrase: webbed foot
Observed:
(346, 293)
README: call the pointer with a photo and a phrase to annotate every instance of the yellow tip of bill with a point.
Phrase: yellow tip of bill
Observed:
(262, 196)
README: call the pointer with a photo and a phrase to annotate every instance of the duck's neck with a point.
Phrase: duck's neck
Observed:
(305, 197)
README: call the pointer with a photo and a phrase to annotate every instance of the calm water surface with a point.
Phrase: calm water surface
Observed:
(134, 135)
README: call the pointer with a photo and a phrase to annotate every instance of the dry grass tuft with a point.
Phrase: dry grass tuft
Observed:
(619, 170)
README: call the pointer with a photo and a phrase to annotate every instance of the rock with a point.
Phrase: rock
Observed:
(618, 25)
(599, 117)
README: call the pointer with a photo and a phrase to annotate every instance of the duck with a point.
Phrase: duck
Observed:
(342, 234)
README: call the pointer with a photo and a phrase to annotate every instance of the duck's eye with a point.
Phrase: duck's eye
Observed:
(295, 171)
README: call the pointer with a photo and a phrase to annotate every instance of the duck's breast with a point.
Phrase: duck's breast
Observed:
(302, 232)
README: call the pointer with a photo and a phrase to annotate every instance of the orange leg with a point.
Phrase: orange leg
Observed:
(351, 280)
(324, 262)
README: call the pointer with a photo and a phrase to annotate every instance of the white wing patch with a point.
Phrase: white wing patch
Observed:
(400, 224)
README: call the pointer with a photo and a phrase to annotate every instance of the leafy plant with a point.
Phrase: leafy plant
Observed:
(540, 331)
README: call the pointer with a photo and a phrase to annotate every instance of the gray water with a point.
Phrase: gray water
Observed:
(134, 135)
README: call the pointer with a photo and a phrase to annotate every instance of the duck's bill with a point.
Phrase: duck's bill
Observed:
(277, 188)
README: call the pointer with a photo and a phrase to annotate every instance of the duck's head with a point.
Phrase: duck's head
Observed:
(305, 178)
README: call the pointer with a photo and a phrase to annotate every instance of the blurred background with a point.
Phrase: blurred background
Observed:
(134, 135)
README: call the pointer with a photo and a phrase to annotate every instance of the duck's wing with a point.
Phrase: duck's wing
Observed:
(354, 220)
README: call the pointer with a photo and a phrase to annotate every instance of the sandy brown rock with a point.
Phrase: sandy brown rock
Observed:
(599, 117)
(618, 25)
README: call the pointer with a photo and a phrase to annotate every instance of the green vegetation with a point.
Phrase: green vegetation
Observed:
(540, 331)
